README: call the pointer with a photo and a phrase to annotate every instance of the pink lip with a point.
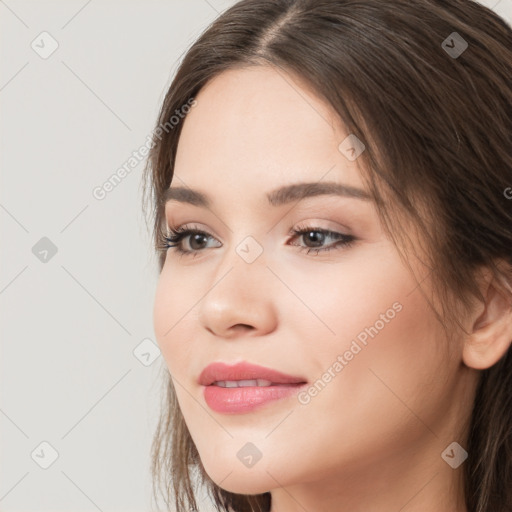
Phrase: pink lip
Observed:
(245, 399)
(244, 371)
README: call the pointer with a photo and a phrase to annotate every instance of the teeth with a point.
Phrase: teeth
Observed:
(242, 383)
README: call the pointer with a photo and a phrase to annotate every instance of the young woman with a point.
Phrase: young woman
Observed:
(331, 183)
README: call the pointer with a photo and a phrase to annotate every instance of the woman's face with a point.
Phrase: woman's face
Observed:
(383, 390)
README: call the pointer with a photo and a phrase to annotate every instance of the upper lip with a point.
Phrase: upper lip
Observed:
(244, 371)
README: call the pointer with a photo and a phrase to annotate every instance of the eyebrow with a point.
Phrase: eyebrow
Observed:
(278, 197)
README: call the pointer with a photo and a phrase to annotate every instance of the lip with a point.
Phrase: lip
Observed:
(244, 371)
(246, 399)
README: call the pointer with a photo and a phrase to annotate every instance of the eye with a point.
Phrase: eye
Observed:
(196, 240)
(315, 237)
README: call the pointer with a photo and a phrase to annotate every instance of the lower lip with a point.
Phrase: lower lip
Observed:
(246, 399)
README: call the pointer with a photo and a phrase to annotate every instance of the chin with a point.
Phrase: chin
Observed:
(242, 481)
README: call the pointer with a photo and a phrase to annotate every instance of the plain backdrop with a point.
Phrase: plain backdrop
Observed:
(81, 83)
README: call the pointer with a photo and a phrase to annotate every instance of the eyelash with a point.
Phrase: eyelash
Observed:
(173, 240)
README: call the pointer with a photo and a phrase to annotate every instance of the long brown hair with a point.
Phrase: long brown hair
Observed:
(437, 127)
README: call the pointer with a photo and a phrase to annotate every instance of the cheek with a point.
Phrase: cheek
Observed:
(363, 292)
(172, 317)
(391, 394)
(373, 343)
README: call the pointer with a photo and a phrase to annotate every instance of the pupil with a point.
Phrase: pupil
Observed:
(314, 236)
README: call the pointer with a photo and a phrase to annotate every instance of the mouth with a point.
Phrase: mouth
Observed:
(244, 374)
(261, 383)
(245, 387)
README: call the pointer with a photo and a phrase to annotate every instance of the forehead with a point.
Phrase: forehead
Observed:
(261, 127)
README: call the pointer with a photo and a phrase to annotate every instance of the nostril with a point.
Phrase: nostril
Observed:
(242, 327)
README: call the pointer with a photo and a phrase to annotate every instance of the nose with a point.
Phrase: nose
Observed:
(239, 299)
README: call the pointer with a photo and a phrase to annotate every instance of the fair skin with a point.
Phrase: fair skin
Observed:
(372, 439)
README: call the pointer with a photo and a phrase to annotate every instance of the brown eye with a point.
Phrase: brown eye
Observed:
(197, 240)
(314, 237)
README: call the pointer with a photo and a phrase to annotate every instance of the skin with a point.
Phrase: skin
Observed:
(371, 440)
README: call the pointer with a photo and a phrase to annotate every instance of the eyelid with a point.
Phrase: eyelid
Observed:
(193, 226)
(324, 224)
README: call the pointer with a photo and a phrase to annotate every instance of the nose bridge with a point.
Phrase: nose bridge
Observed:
(244, 250)
(243, 267)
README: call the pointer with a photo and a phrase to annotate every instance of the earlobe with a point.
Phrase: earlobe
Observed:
(491, 333)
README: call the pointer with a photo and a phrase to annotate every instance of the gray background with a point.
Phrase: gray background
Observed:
(79, 366)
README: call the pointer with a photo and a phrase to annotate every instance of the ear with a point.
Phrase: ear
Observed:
(491, 330)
